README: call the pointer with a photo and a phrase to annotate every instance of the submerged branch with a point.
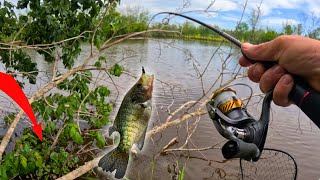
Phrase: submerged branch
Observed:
(196, 149)
(164, 126)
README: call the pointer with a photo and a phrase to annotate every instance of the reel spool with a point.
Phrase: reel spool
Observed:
(246, 134)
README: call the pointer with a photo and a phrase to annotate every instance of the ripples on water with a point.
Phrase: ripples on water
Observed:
(173, 62)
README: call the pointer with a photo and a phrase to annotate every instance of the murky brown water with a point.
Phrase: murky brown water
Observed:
(178, 82)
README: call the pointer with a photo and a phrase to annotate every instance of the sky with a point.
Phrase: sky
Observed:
(226, 13)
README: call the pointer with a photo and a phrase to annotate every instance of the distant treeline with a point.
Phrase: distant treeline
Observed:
(135, 20)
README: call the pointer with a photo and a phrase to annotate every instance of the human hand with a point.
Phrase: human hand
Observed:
(294, 54)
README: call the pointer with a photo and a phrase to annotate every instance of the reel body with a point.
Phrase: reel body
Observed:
(246, 134)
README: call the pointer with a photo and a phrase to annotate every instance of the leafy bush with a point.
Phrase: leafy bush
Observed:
(73, 115)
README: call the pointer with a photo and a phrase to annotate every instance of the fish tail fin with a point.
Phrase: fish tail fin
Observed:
(115, 159)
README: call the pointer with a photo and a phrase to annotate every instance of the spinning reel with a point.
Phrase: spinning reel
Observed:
(246, 134)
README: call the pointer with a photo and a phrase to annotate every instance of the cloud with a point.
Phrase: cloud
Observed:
(155, 6)
(230, 18)
(314, 6)
(218, 5)
(276, 21)
(268, 7)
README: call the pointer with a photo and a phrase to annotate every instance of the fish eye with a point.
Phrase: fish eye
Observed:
(139, 85)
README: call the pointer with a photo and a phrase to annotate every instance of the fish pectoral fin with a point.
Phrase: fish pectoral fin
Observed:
(141, 140)
(146, 104)
(134, 150)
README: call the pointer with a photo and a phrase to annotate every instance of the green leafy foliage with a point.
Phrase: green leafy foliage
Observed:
(8, 119)
(71, 132)
(133, 20)
(116, 70)
(101, 60)
(47, 160)
(36, 160)
(268, 36)
(73, 116)
(48, 22)
(100, 140)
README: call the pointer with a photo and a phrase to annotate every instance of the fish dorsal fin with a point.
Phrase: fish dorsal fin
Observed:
(143, 71)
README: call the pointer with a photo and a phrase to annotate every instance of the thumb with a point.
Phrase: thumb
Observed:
(263, 52)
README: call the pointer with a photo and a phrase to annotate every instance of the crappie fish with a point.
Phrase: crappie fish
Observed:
(131, 122)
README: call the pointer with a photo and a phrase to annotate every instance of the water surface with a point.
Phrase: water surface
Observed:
(177, 65)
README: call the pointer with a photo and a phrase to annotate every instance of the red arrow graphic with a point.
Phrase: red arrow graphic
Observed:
(10, 86)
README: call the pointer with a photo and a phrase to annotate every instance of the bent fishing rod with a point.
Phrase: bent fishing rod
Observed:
(302, 94)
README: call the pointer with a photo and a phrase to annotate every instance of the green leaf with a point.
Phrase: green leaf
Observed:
(39, 160)
(88, 74)
(104, 91)
(23, 161)
(97, 40)
(75, 135)
(39, 163)
(72, 132)
(104, 120)
(65, 154)
(22, 4)
(52, 126)
(100, 140)
(116, 70)
(8, 4)
(26, 148)
(181, 175)
(97, 64)
(60, 110)
(55, 157)
(102, 58)
(3, 173)
(9, 119)
(37, 154)
(77, 138)
(75, 159)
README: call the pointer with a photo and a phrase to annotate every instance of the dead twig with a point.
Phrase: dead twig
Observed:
(82, 169)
